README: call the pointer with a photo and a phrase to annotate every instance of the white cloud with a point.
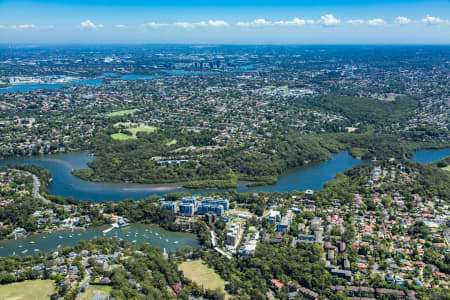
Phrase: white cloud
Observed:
(355, 21)
(26, 26)
(184, 24)
(402, 20)
(376, 22)
(329, 20)
(294, 22)
(187, 25)
(88, 24)
(218, 23)
(255, 23)
(433, 20)
(210, 23)
(155, 25)
(120, 26)
(243, 24)
(261, 22)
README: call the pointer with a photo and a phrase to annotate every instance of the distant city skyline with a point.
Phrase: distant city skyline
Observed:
(225, 22)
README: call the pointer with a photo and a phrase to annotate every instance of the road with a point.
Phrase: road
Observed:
(36, 186)
(213, 238)
(227, 255)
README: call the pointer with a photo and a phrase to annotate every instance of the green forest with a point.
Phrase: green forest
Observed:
(134, 160)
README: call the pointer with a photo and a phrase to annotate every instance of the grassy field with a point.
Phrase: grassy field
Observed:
(27, 290)
(171, 142)
(235, 220)
(240, 211)
(132, 128)
(122, 136)
(122, 113)
(141, 128)
(203, 275)
(94, 290)
(125, 124)
(387, 99)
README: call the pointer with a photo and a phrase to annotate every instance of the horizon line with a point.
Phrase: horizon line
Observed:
(216, 44)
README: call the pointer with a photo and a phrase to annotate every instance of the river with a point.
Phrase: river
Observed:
(427, 156)
(20, 88)
(45, 242)
(64, 184)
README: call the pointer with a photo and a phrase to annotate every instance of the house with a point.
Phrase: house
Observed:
(274, 216)
(308, 294)
(330, 254)
(346, 264)
(177, 287)
(285, 221)
(19, 231)
(390, 292)
(105, 280)
(277, 284)
(343, 273)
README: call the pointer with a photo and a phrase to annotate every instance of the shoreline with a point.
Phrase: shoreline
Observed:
(31, 234)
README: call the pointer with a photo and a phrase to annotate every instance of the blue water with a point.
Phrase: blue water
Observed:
(310, 177)
(427, 156)
(183, 73)
(20, 88)
(141, 233)
(65, 184)
(131, 76)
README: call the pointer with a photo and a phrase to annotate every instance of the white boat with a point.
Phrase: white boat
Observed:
(60, 237)
(176, 242)
(36, 250)
(20, 246)
(25, 251)
(167, 240)
(134, 241)
(32, 242)
(121, 223)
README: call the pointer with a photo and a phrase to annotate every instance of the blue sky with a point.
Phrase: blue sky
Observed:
(225, 22)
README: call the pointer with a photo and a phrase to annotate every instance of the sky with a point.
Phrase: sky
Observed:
(225, 22)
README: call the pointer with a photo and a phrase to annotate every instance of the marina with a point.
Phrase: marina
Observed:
(138, 233)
